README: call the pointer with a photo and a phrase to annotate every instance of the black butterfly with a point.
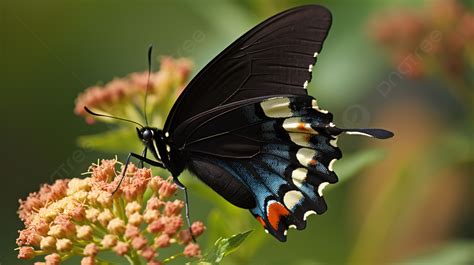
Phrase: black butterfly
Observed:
(246, 126)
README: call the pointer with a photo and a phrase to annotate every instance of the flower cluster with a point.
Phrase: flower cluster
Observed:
(438, 38)
(122, 96)
(82, 217)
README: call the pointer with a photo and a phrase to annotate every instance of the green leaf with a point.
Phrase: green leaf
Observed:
(223, 247)
(352, 164)
(121, 140)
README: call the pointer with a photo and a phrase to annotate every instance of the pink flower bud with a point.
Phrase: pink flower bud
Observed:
(26, 253)
(139, 242)
(185, 236)
(155, 183)
(173, 208)
(192, 250)
(132, 207)
(198, 228)
(167, 189)
(105, 199)
(92, 214)
(116, 226)
(148, 253)
(121, 248)
(135, 219)
(42, 228)
(88, 261)
(131, 231)
(48, 243)
(105, 216)
(109, 241)
(172, 224)
(53, 259)
(156, 226)
(163, 241)
(63, 245)
(78, 214)
(154, 203)
(151, 215)
(84, 232)
(91, 249)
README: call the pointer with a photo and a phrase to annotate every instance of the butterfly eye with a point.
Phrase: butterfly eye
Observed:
(147, 135)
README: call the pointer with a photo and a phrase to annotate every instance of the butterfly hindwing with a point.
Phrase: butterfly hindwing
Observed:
(252, 143)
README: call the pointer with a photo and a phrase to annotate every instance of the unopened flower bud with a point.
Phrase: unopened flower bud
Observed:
(53, 259)
(109, 241)
(92, 214)
(63, 245)
(139, 242)
(135, 219)
(121, 248)
(26, 253)
(132, 207)
(116, 226)
(148, 253)
(151, 215)
(105, 216)
(91, 249)
(84, 232)
(48, 243)
(192, 250)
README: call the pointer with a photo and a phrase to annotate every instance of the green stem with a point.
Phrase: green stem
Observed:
(134, 258)
(173, 257)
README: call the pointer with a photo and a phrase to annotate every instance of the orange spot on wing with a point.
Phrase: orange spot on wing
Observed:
(301, 126)
(313, 162)
(275, 212)
(260, 220)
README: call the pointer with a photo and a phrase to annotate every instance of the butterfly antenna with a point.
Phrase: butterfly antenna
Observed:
(112, 117)
(147, 83)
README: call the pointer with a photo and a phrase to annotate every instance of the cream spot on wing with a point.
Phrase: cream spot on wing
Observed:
(358, 133)
(333, 142)
(331, 164)
(315, 106)
(299, 176)
(306, 156)
(310, 68)
(301, 139)
(296, 125)
(321, 188)
(305, 85)
(315, 54)
(276, 107)
(292, 198)
(308, 213)
(292, 226)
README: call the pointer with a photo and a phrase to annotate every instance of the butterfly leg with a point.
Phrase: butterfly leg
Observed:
(144, 155)
(186, 203)
(142, 159)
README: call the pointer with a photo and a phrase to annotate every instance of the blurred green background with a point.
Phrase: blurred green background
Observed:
(405, 200)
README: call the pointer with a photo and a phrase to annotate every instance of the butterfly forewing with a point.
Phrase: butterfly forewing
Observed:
(276, 57)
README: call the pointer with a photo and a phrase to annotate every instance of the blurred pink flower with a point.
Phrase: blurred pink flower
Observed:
(439, 37)
(116, 96)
